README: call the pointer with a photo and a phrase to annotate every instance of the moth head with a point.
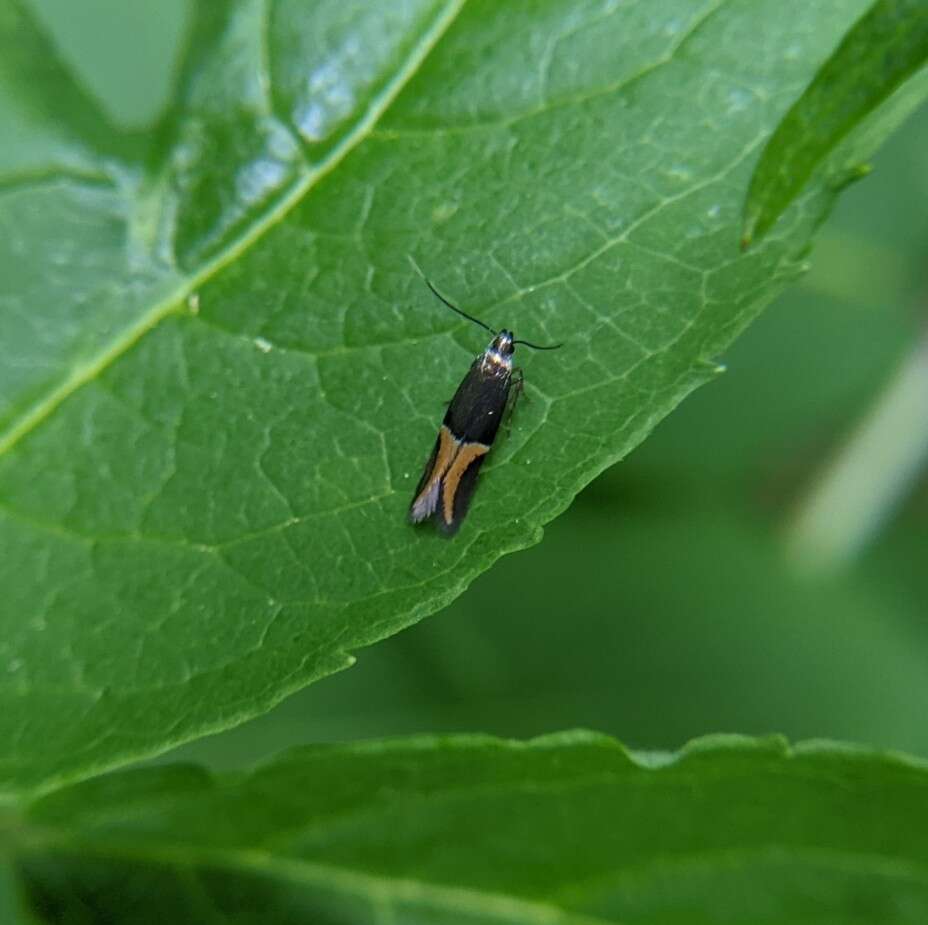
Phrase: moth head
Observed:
(503, 343)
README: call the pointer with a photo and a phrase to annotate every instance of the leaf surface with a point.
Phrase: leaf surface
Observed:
(224, 377)
(569, 828)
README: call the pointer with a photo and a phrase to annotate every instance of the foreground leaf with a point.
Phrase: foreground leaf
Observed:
(11, 912)
(224, 377)
(878, 54)
(568, 828)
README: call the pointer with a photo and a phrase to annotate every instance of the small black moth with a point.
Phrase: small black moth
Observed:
(468, 429)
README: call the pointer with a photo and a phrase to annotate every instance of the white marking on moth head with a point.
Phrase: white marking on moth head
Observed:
(497, 358)
(496, 362)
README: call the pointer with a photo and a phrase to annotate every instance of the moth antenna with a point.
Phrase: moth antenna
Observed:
(444, 301)
(538, 346)
(454, 308)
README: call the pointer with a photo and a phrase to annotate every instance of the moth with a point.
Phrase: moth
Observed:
(468, 430)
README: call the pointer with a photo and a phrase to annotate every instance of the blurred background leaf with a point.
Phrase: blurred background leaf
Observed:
(11, 905)
(882, 50)
(565, 829)
(225, 376)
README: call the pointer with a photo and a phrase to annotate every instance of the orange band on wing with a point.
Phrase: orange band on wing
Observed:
(461, 463)
(444, 456)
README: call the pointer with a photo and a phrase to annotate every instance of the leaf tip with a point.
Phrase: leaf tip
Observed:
(849, 176)
(756, 225)
(748, 229)
(713, 367)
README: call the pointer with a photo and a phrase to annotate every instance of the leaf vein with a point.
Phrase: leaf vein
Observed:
(173, 301)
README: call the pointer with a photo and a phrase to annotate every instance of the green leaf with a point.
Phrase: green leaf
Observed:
(568, 828)
(11, 912)
(223, 377)
(648, 585)
(877, 55)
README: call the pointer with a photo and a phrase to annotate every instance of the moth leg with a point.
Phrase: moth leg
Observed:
(518, 389)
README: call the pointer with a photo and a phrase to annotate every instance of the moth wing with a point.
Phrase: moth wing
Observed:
(458, 488)
(426, 500)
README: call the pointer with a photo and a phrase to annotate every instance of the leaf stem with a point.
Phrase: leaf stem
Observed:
(858, 490)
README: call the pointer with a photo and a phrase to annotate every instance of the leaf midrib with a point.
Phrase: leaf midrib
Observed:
(173, 301)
